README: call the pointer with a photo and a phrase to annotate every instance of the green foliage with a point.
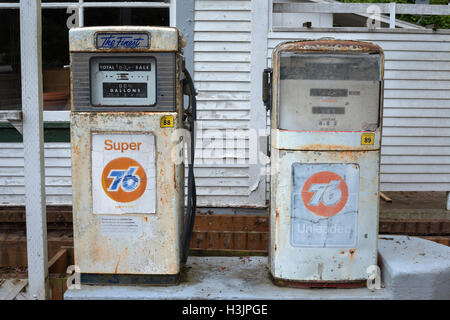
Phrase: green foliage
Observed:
(443, 22)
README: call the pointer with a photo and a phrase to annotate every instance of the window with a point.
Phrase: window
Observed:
(55, 46)
(10, 94)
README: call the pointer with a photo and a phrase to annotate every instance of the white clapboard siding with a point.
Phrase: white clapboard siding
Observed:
(222, 50)
(58, 178)
(415, 154)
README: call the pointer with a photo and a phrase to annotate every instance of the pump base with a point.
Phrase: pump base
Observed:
(130, 279)
(313, 284)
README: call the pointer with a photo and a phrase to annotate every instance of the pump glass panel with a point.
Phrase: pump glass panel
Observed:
(329, 92)
(123, 81)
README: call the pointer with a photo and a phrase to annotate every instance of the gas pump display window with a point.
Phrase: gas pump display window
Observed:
(329, 92)
(123, 81)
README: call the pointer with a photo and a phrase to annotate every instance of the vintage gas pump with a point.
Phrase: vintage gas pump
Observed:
(130, 225)
(326, 109)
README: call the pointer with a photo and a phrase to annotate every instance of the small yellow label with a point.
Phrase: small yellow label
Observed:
(368, 139)
(167, 122)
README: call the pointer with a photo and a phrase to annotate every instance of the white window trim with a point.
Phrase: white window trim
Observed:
(57, 116)
(64, 116)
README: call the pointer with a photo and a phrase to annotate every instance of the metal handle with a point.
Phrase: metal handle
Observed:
(267, 88)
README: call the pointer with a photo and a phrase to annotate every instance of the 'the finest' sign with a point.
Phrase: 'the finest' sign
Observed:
(123, 173)
(138, 40)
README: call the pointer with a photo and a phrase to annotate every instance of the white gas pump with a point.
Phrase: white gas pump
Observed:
(325, 99)
(130, 225)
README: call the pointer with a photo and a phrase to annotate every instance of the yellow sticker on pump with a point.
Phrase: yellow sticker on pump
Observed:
(167, 122)
(368, 139)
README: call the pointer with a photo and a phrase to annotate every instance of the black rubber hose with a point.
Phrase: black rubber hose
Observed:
(192, 195)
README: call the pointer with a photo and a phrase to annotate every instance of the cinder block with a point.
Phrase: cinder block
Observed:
(415, 268)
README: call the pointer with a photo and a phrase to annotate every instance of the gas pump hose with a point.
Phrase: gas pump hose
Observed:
(192, 196)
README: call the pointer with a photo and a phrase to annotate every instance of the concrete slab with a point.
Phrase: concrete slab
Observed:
(411, 268)
(227, 278)
(414, 268)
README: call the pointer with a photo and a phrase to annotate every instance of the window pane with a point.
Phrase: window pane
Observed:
(10, 92)
(55, 55)
(126, 16)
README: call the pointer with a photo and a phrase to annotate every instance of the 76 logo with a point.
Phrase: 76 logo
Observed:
(325, 193)
(328, 194)
(127, 180)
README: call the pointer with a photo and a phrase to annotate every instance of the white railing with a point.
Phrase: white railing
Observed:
(362, 8)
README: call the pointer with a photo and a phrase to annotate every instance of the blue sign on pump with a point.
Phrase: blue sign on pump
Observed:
(108, 40)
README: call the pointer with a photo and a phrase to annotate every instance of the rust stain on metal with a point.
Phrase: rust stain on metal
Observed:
(76, 149)
(349, 155)
(325, 147)
(312, 284)
(174, 177)
(352, 253)
(330, 45)
(117, 266)
(97, 252)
